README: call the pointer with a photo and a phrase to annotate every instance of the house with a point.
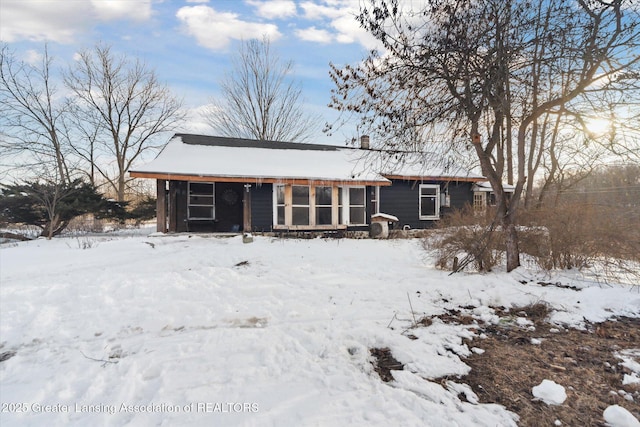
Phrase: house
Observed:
(483, 195)
(216, 184)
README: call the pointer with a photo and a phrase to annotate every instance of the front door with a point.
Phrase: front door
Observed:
(229, 206)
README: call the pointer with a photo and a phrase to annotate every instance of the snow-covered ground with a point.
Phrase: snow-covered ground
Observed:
(179, 330)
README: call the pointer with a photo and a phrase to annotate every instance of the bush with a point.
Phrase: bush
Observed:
(570, 235)
(143, 210)
(577, 234)
(465, 237)
(51, 207)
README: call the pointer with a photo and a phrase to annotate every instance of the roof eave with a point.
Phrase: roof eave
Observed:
(434, 178)
(255, 179)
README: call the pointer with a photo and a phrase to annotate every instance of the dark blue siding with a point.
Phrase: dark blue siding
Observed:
(262, 207)
(402, 200)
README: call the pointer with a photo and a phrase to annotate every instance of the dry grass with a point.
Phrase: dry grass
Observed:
(583, 361)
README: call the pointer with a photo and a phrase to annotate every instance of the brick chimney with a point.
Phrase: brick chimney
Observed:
(364, 142)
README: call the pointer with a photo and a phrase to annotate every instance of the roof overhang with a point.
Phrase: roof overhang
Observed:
(256, 179)
(435, 178)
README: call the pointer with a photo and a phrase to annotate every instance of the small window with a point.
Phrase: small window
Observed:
(478, 201)
(429, 201)
(201, 202)
(300, 204)
(324, 198)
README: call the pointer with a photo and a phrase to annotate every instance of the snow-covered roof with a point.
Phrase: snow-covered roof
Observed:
(485, 186)
(187, 156)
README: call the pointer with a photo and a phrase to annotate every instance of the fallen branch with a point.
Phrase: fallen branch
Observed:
(104, 361)
(14, 236)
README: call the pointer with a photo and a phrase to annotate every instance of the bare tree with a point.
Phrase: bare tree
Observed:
(259, 99)
(468, 69)
(35, 135)
(33, 117)
(121, 109)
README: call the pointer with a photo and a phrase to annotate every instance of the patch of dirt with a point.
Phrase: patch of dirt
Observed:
(517, 355)
(384, 363)
(582, 361)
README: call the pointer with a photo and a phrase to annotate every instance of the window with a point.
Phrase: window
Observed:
(375, 200)
(324, 198)
(300, 204)
(478, 201)
(429, 201)
(279, 203)
(201, 203)
(341, 198)
(357, 206)
(321, 206)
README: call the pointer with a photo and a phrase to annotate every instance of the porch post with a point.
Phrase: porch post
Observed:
(173, 219)
(161, 205)
(246, 211)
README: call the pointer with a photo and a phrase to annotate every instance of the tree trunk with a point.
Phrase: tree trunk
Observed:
(121, 187)
(513, 250)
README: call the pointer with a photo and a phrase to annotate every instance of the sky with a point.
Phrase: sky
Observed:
(190, 42)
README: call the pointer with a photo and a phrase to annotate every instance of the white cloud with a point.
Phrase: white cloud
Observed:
(38, 21)
(62, 21)
(194, 121)
(273, 9)
(316, 11)
(33, 57)
(313, 34)
(197, 1)
(349, 31)
(338, 18)
(215, 30)
(138, 10)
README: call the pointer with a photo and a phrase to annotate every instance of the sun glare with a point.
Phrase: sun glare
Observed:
(598, 126)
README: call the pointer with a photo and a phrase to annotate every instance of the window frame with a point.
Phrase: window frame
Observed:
(276, 204)
(347, 205)
(340, 207)
(436, 198)
(317, 205)
(212, 205)
(308, 206)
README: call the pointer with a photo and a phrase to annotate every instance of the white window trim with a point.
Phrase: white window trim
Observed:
(346, 205)
(479, 200)
(213, 198)
(275, 204)
(316, 206)
(310, 207)
(437, 201)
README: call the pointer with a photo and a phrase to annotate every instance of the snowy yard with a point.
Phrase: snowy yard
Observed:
(179, 330)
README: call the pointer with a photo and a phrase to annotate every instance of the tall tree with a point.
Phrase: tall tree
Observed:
(259, 99)
(33, 117)
(473, 71)
(122, 108)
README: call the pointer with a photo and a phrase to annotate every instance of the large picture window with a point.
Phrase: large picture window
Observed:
(429, 201)
(322, 206)
(201, 203)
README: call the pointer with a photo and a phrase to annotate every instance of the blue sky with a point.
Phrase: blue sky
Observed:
(189, 42)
